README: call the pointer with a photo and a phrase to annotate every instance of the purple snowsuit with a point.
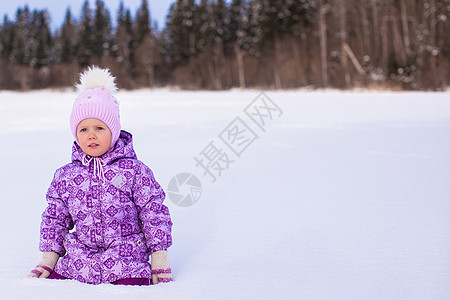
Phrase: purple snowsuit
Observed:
(119, 219)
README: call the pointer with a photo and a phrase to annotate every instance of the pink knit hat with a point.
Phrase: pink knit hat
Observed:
(96, 100)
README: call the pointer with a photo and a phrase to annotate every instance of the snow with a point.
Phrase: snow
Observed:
(344, 196)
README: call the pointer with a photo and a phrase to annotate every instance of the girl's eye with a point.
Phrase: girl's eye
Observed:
(83, 130)
(99, 128)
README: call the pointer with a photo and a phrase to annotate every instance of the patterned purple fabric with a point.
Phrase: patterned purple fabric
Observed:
(126, 281)
(118, 221)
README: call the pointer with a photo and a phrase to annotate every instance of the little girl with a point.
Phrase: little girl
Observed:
(105, 214)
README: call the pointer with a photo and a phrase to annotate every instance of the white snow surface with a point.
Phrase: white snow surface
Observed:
(344, 196)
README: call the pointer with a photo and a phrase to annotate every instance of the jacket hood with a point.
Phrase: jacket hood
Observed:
(122, 149)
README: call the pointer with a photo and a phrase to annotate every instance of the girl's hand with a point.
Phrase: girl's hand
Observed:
(40, 271)
(46, 266)
(161, 271)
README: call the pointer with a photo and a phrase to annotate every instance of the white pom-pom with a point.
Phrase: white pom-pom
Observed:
(95, 77)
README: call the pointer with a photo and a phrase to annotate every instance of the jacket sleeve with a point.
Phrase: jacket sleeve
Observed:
(154, 215)
(56, 219)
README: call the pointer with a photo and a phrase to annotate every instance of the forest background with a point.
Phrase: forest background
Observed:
(266, 44)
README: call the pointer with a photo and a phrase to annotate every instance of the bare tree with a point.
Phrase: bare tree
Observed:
(399, 50)
(146, 58)
(323, 42)
(365, 26)
(240, 64)
(343, 35)
(384, 39)
(433, 32)
(276, 63)
(404, 16)
(376, 29)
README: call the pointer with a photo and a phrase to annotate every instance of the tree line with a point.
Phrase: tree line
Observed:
(274, 44)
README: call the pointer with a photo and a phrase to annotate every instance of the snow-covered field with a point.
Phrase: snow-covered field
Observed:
(345, 195)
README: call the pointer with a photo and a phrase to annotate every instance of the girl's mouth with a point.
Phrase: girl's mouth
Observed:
(93, 145)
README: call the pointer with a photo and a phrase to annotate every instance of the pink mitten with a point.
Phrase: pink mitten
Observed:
(46, 266)
(161, 271)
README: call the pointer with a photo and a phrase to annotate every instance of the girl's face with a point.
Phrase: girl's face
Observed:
(94, 137)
